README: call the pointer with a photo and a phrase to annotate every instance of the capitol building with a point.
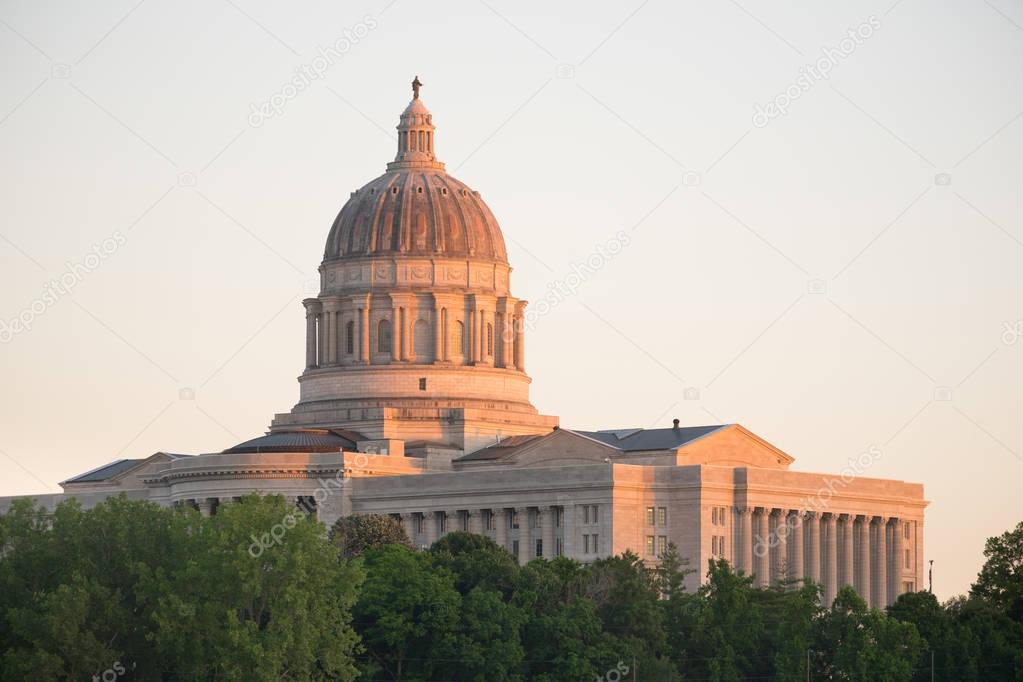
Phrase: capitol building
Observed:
(414, 402)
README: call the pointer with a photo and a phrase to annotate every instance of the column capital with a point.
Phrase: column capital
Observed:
(475, 512)
(313, 306)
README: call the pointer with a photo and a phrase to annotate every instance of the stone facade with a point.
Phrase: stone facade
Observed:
(414, 402)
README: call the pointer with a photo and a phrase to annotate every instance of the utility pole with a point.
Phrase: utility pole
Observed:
(932, 661)
(635, 672)
(807, 665)
(930, 577)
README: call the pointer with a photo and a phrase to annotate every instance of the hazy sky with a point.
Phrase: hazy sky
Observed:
(844, 275)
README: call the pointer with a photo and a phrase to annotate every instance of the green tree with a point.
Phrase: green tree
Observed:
(728, 628)
(857, 643)
(1000, 582)
(353, 535)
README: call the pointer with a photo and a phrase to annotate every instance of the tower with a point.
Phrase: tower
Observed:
(415, 334)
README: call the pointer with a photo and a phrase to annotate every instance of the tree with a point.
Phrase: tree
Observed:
(353, 535)
(1000, 582)
(728, 628)
(857, 643)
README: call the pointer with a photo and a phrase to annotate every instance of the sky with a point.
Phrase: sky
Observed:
(820, 205)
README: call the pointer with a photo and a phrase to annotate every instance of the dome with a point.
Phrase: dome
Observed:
(416, 208)
(416, 212)
(307, 440)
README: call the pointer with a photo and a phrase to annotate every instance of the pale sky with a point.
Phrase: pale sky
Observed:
(846, 275)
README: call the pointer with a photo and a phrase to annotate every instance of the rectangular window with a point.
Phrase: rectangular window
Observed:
(464, 521)
(586, 544)
(586, 513)
(649, 516)
(650, 545)
(513, 519)
(662, 516)
(722, 517)
(714, 516)
(908, 587)
(422, 384)
(539, 547)
(596, 544)
(559, 547)
(559, 514)
(905, 531)
(536, 519)
(594, 514)
(907, 559)
(662, 545)
(419, 525)
(515, 547)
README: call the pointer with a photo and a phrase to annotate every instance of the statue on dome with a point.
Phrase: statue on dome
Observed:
(415, 88)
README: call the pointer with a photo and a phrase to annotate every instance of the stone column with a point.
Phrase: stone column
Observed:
(321, 338)
(745, 538)
(863, 557)
(476, 521)
(364, 332)
(569, 518)
(395, 333)
(880, 578)
(501, 525)
(779, 552)
(430, 522)
(520, 337)
(451, 521)
(898, 561)
(525, 536)
(547, 531)
(830, 559)
(797, 564)
(438, 332)
(312, 309)
(813, 549)
(761, 548)
(847, 564)
(408, 522)
(205, 506)
(330, 310)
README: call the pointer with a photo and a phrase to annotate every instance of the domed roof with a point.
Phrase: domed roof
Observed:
(416, 208)
(308, 440)
(418, 213)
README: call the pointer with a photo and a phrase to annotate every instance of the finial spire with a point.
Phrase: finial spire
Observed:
(415, 88)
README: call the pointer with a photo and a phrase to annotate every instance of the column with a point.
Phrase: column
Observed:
(501, 524)
(569, 518)
(862, 527)
(830, 559)
(364, 332)
(430, 522)
(407, 319)
(520, 337)
(525, 554)
(312, 308)
(330, 309)
(847, 572)
(438, 332)
(898, 561)
(395, 333)
(797, 564)
(779, 553)
(205, 506)
(321, 338)
(761, 548)
(744, 535)
(547, 531)
(474, 336)
(813, 549)
(408, 522)
(451, 521)
(880, 578)
(476, 521)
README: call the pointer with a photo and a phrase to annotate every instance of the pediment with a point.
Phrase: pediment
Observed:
(736, 447)
(562, 448)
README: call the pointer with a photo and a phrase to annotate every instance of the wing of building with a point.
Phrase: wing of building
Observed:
(414, 401)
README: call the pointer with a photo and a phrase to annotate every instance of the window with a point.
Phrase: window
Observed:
(384, 337)
(490, 339)
(907, 559)
(905, 530)
(714, 516)
(422, 384)
(908, 587)
(559, 547)
(650, 545)
(539, 547)
(515, 547)
(559, 514)
(649, 516)
(596, 543)
(590, 513)
(662, 516)
(464, 518)
(513, 519)
(350, 338)
(491, 520)
(537, 517)
(662, 545)
(586, 544)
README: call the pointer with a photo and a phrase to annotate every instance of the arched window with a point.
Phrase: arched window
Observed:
(384, 337)
(490, 339)
(350, 338)
(460, 337)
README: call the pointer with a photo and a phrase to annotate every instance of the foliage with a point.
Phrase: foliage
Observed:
(353, 535)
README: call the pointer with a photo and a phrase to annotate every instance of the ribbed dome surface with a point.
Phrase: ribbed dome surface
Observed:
(416, 212)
